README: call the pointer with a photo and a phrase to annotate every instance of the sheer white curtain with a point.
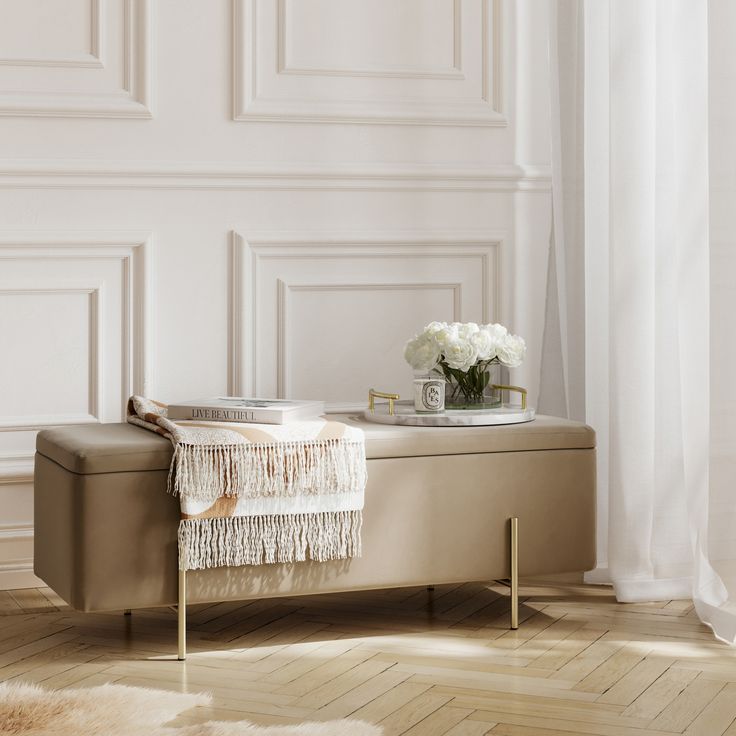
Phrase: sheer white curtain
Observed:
(647, 291)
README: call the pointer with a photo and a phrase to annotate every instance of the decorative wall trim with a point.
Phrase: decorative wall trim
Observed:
(247, 252)
(285, 290)
(133, 250)
(250, 103)
(16, 469)
(95, 364)
(133, 100)
(17, 572)
(16, 531)
(79, 174)
(454, 72)
(91, 60)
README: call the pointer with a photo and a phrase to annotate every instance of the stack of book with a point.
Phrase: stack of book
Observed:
(239, 409)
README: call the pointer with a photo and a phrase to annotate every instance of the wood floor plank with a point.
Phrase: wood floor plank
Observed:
(636, 681)
(32, 600)
(568, 649)
(717, 716)
(545, 687)
(609, 672)
(326, 672)
(320, 657)
(470, 728)
(439, 722)
(663, 691)
(413, 712)
(681, 712)
(590, 659)
(362, 694)
(586, 712)
(344, 683)
(532, 626)
(8, 604)
(391, 701)
(556, 726)
(510, 729)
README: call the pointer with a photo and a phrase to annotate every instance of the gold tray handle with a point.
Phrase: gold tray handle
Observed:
(373, 395)
(518, 389)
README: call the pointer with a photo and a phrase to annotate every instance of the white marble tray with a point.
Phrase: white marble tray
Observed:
(405, 414)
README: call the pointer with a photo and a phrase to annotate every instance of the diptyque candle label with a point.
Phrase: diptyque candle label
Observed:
(429, 395)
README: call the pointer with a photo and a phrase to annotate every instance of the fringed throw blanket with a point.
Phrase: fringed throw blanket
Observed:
(261, 493)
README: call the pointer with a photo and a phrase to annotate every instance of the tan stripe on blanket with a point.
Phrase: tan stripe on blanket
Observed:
(224, 506)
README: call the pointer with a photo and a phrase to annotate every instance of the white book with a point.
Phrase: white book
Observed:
(241, 409)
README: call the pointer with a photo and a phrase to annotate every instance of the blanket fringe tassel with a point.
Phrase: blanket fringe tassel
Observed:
(257, 540)
(250, 470)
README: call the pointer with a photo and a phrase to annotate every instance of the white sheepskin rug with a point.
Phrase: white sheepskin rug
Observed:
(117, 710)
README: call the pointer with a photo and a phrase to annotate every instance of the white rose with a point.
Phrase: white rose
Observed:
(422, 353)
(466, 329)
(446, 335)
(433, 328)
(496, 331)
(460, 354)
(511, 350)
(484, 344)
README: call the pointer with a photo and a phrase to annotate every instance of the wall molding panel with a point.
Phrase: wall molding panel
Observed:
(469, 92)
(93, 59)
(286, 66)
(284, 383)
(75, 174)
(90, 84)
(126, 258)
(268, 269)
(94, 293)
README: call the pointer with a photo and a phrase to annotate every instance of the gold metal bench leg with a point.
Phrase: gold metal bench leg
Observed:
(514, 537)
(182, 615)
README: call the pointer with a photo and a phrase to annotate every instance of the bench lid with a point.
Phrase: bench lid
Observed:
(544, 433)
(105, 448)
(114, 448)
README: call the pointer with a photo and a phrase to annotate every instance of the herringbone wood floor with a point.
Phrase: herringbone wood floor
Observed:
(417, 662)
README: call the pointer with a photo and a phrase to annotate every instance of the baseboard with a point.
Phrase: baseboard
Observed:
(19, 574)
(598, 576)
(557, 578)
(16, 557)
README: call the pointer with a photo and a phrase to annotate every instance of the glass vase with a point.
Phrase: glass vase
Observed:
(474, 388)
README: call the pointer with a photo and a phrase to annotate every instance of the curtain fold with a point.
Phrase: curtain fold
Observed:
(562, 368)
(647, 290)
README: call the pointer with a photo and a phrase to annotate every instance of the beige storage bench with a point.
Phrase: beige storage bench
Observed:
(437, 510)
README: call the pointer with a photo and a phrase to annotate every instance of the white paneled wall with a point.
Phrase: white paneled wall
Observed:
(264, 196)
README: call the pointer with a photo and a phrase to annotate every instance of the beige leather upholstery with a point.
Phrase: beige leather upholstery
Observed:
(437, 505)
(105, 448)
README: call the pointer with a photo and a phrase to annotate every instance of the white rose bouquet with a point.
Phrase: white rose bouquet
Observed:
(462, 352)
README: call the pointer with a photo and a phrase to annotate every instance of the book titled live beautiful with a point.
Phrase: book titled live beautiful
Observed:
(240, 409)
